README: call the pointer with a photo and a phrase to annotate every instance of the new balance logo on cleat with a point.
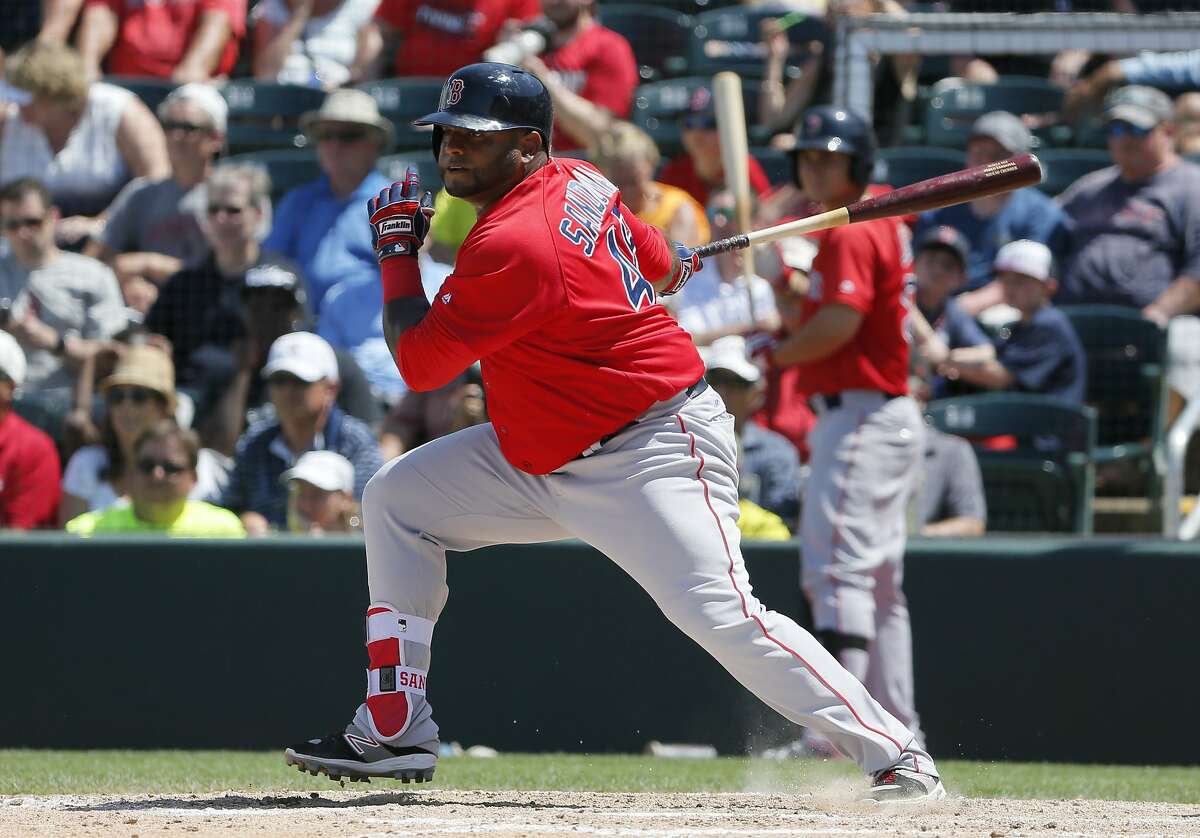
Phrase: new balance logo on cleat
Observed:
(358, 743)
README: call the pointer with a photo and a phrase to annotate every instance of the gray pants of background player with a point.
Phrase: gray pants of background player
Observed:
(863, 468)
(660, 500)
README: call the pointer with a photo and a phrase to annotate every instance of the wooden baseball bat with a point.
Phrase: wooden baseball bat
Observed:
(934, 193)
(735, 154)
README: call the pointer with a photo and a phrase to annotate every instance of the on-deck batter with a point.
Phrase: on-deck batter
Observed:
(602, 429)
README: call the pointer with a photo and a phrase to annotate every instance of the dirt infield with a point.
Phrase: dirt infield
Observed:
(828, 813)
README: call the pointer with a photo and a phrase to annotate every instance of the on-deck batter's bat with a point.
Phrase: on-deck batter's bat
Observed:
(735, 154)
(934, 193)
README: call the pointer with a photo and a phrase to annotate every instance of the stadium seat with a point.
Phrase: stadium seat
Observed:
(404, 99)
(902, 165)
(266, 115)
(1064, 166)
(775, 162)
(730, 39)
(659, 37)
(150, 91)
(955, 104)
(658, 105)
(1043, 482)
(287, 167)
(394, 166)
(1126, 383)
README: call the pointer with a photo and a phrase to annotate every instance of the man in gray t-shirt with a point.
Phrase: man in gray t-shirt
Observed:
(61, 307)
(951, 501)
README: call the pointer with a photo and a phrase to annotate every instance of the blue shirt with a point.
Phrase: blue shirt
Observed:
(352, 319)
(769, 472)
(1171, 70)
(1028, 214)
(328, 236)
(262, 457)
(1044, 355)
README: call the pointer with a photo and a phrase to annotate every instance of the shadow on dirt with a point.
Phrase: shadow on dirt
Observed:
(311, 800)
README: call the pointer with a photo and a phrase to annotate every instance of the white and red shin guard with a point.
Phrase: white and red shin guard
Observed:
(393, 688)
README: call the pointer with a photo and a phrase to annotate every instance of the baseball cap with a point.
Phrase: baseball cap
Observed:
(307, 356)
(729, 353)
(701, 109)
(203, 96)
(1006, 129)
(946, 237)
(12, 359)
(326, 470)
(1138, 105)
(1025, 257)
(272, 274)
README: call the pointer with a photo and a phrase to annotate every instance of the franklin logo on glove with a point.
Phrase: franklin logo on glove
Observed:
(393, 226)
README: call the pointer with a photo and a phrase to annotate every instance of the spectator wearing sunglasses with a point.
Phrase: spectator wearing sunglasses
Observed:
(1131, 236)
(698, 170)
(163, 477)
(29, 465)
(139, 393)
(319, 225)
(153, 227)
(61, 307)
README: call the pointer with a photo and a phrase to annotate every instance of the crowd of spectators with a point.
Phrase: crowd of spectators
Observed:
(206, 360)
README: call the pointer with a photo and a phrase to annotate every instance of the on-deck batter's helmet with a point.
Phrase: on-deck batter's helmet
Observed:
(830, 128)
(492, 97)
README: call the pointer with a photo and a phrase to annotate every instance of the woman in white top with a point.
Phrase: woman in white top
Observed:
(308, 42)
(139, 393)
(83, 141)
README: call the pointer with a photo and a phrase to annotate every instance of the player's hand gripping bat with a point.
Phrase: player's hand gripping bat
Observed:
(934, 193)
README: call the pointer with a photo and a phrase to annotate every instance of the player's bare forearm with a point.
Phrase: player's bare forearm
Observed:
(1180, 297)
(400, 315)
(825, 333)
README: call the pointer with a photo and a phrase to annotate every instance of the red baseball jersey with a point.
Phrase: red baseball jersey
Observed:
(442, 35)
(598, 65)
(866, 267)
(30, 476)
(681, 171)
(153, 37)
(548, 292)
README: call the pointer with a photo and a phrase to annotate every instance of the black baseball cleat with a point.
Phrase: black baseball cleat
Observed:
(903, 785)
(355, 755)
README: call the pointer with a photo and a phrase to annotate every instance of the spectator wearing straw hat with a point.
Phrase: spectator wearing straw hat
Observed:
(319, 225)
(29, 465)
(321, 495)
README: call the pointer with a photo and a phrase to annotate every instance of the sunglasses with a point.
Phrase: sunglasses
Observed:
(137, 395)
(346, 135)
(148, 465)
(231, 211)
(14, 224)
(1117, 128)
(185, 127)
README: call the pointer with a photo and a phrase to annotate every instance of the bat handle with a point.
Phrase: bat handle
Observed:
(722, 246)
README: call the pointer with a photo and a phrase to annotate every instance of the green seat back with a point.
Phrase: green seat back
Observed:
(731, 39)
(150, 91)
(658, 105)
(902, 165)
(266, 115)
(954, 105)
(1064, 166)
(659, 37)
(404, 99)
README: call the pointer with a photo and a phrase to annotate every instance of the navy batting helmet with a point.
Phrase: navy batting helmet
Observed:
(492, 97)
(830, 128)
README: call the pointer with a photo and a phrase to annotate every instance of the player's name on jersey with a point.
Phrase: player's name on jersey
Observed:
(587, 197)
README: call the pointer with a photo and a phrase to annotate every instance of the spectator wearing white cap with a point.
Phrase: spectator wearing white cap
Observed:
(153, 227)
(1039, 353)
(989, 223)
(29, 466)
(321, 495)
(302, 378)
(319, 225)
(768, 465)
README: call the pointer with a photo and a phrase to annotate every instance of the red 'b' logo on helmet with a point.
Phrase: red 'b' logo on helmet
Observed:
(454, 92)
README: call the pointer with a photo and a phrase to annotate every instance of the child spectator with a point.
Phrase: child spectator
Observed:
(160, 484)
(321, 495)
(1040, 353)
(29, 465)
(309, 42)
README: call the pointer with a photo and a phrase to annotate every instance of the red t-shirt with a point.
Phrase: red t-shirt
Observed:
(442, 35)
(548, 291)
(30, 476)
(681, 171)
(154, 35)
(597, 64)
(864, 266)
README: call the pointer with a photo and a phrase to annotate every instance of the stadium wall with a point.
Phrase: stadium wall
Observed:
(1026, 649)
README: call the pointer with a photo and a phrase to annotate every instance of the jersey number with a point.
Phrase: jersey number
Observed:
(620, 246)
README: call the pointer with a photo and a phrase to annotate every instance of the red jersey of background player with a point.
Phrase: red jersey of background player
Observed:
(864, 266)
(442, 35)
(597, 64)
(548, 294)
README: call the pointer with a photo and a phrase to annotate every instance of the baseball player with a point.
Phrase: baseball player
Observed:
(603, 429)
(866, 445)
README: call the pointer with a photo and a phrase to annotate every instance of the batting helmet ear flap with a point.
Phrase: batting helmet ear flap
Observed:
(437, 142)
